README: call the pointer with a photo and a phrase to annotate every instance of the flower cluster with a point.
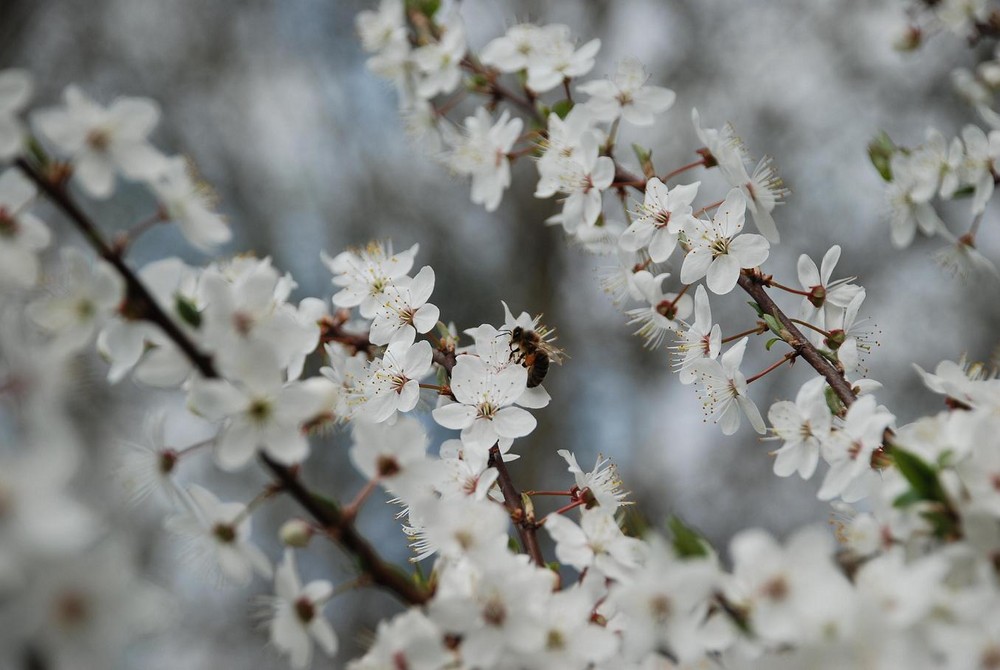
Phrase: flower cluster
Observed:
(913, 583)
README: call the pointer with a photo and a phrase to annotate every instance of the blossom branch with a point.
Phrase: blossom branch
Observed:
(523, 520)
(142, 303)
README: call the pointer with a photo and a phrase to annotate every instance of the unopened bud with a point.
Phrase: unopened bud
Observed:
(296, 533)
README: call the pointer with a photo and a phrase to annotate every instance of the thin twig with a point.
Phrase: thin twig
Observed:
(326, 513)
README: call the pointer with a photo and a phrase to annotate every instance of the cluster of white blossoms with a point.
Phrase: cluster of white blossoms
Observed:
(940, 170)
(912, 584)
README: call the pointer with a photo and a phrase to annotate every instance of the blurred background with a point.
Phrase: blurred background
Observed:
(306, 150)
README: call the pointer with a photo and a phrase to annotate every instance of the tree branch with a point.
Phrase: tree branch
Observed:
(326, 513)
(525, 523)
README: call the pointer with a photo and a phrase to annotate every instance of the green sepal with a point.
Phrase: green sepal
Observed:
(426, 7)
(36, 151)
(645, 157)
(880, 151)
(187, 311)
(773, 324)
(921, 476)
(688, 543)
(833, 401)
(562, 108)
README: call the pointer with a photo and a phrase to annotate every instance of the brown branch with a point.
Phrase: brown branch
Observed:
(326, 513)
(524, 522)
(141, 302)
(752, 283)
(343, 531)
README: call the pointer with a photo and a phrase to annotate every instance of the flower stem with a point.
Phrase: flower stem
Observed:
(708, 207)
(325, 512)
(761, 327)
(810, 327)
(789, 289)
(790, 356)
(682, 169)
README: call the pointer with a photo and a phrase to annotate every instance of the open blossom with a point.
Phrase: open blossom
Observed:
(147, 469)
(89, 293)
(365, 274)
(22, 234)
(793, 592)
(188, 203)
(410, 640)
(297, 619)
(515, 49)
(596, 542)
(393, 382)
(849, 450)
(719, 251)
(763, 189)
(602, 482)
(439, 62)
(485, 410)
(262, 413)
(849, 336)
(700, 340)
(978, 166)
(627, 95)
(803, 425)
(394, 454)
(15, 91)
(664, 214)
(378, 29)
(558, 59)
(405, 311)
(582, 179)
(481, 152)
(104, 141)
(664, 602)
(909, 208)
(824, 293)
(726, 390)
(663, 311)
(218, 536)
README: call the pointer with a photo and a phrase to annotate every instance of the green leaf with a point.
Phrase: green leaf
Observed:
(964, 192)
(880, 151)
(37, 151)
(907, 499)
(756, 308)
(633, 523)
(770, 343)
(772, 323)
(923, 478)
(645, 157)
(944, 524)
(562, 108)
(426, 7)
(687, 542)
(833, 401)
(187, 311)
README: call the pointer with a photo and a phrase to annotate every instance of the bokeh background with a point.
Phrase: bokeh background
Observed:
(306, 150)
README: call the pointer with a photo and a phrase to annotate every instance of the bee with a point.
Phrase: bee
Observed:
(533, 349)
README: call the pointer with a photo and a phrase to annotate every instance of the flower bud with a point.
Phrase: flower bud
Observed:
(296, 533)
